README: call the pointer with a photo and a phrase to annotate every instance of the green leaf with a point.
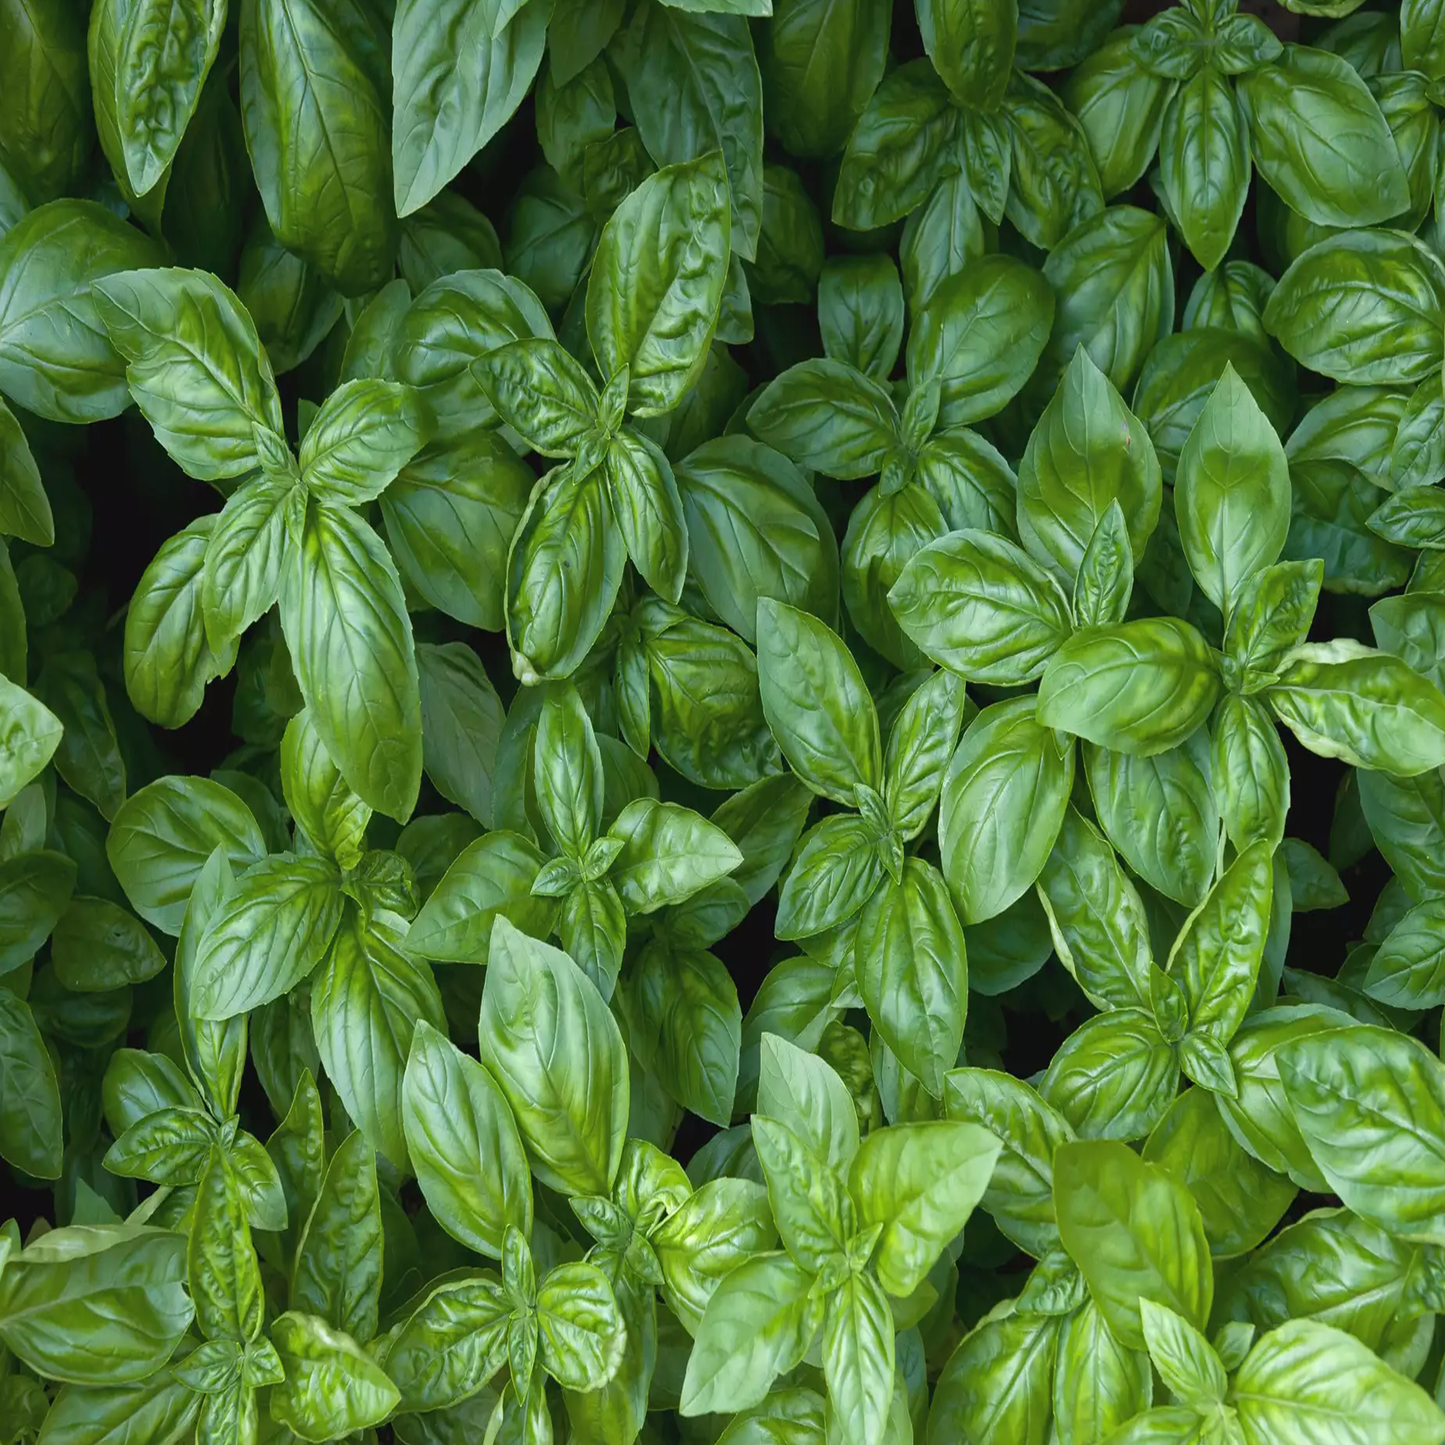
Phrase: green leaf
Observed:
(1251, 772)
(267, 936)
(1370, 1104)
(96, 1304)
(1406, 971)
(899, 149)
(694, 88)
(161, 1406)
(978, 604)
(815, 1215)
(30, 1117)
(332, 1386)
(582, 1330)
(163, 835)
(1406, 818)
(30, 736)
(999, 1379)
(1314, 884)
(1105, 583)
(1120, 106)
(24, 507)
(1306, 1376)
(1319, 140)
(56, 359)
(1020, 1193)
(364, 434)
(463, 1144)
(816, 704)
(971, 46)
(563, 573)
(920, 1182)
(755, 529)
(858, 1360)
(450, 515)
(98, 946)
(1333, 503)
(1342, 700)
(860, 309)
(1186, 1361)
(1232, 495)
(1271, 617)
(1096, 917)
(195, 367)
(244, 552)
(685, 1000)
(657, 282)
(165, 54)
(221, 1266)
(1183, 369)
(446, 111)
(337, 1271)
(913, 973)
(313, 82)
(1114, 1077)
(346, 624)
(35, 889)
(327, 812)
(1003, 801)
(668, 854)
(980, 337)
(811, 107)
(1141, 688)
(1260, 1117)
(1240, 1199)
(1362, 307)
(1134, 1233)
(451, 1344)
(648, 511)
(1216, 957)
(170, 1145)
(1204, 164)
(366, 1001)
(757, 1325)
(804, 1093)
(557, 1055)
(1114, 293)
(920, 742)
(1053, 186)
(568, 772)
(826, 415)
(491, 877)
(1098, 1383)
(541, 392)
(1410, 519)
(1087, 451)
(461, 724)
(88, 758)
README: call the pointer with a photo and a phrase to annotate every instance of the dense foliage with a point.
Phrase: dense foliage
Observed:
(801, 802)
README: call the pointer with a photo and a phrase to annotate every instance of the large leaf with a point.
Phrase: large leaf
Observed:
(346, 623)
(458, 78)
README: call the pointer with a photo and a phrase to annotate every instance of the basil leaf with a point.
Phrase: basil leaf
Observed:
(346, 624)
(558, 1058)
(446, 111)
(1141, 688)
(56, 358)
(1298, 108)
(815, 703)
(1135, 1235)
(1342, 1096)
(1003, 801)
